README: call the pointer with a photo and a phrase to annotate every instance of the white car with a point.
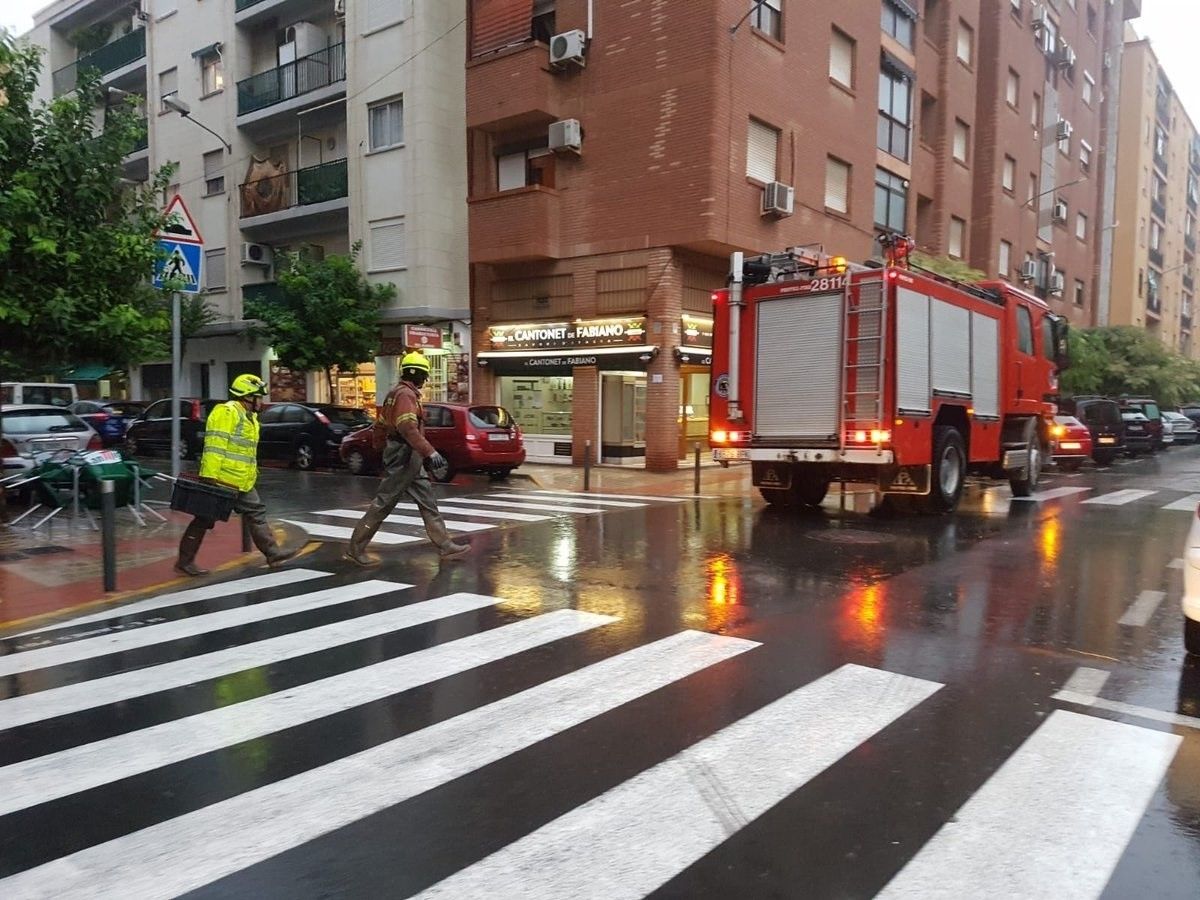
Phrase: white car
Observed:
(27, 431)
(1183, 429)
(1191, 588)
(1168, 433)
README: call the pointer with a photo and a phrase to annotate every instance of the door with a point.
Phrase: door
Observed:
(694, 387)
(441, 432)
(270, 427)
(623, 417)
(156, 435)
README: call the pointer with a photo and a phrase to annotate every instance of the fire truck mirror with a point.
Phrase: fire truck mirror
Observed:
(1062, 349)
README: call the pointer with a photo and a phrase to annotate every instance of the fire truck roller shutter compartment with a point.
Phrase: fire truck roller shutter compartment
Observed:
(797, 378)
(985, 366)
(951, 349)
(912, 351)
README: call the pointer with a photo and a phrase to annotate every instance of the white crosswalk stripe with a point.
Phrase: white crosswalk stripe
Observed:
(342, 533)
(356, 514)
(1052, 494)
(590, 495)
(1119, 498)
(522, 506)
(1185, 504)
(573, 500)
(464, 508)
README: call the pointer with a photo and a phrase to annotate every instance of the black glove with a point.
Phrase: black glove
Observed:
(437, 465)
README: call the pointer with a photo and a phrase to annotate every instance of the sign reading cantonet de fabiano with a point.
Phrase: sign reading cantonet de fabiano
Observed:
(182, 258)
(560, 335)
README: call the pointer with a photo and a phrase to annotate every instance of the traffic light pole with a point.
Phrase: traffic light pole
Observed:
(176, 373)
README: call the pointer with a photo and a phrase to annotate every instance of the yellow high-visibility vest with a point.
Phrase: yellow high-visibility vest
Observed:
(231, 446)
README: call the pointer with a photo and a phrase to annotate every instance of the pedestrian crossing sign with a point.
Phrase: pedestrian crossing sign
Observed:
(180, 264)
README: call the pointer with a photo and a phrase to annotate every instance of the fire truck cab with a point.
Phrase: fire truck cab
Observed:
(882, 374)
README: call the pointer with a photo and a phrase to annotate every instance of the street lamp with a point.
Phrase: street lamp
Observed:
(1053, 190)
(171, 101)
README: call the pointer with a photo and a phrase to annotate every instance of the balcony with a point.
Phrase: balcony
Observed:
(264, 292)
(512, 89)
(307, 201)
(1156, 257)
(111, 58)
(309, 80)
(514, 226)
(1189, 243)
(1159, 209)
(254, 12)
(1189, 283)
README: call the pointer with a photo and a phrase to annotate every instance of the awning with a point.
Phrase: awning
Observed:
(93, 372)
(896, 66)
(561, 362)
(207, 51)
(695, 356)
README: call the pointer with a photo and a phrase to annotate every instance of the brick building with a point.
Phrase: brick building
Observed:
(611, 171)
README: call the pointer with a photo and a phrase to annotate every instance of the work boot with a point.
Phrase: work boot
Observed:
(356, 550)
(189, 546)
(453, 550)
(435, 527)
(264, 540)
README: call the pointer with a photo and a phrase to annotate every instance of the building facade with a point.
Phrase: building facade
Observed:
(328, 125)
(1158, 190)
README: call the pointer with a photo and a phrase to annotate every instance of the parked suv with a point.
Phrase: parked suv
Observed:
(1138, 437)
(1103, 420)
(150, 432)
(306, 434)
(1148, 408)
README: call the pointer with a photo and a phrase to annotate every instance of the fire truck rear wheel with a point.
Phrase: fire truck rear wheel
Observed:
(949, 471)
(810, 490)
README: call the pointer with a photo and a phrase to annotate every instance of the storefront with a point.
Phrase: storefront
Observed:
(695, 360)
(536, 366)
(445, 348)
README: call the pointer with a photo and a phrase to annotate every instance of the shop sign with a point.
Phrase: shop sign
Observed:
(697, 331)
(422, 337)
(565, 335)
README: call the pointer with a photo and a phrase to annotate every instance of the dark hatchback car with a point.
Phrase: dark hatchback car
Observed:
(306, 434)
(1150, 409)
(1138, 436)
(108, 418)
(1103, 420)
(150, 432)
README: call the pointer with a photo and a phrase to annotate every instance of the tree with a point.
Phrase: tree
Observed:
(76, 242)
(1120, 360)
(947, 266)
(326, 314)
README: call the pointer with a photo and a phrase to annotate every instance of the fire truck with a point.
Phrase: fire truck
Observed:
(884, 374)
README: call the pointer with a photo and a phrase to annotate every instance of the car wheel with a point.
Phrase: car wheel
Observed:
(357, 463)
(305, 456)
(1191, 636)
(131, 446)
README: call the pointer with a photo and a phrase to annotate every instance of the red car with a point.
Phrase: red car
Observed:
(1071, 443)
(472, 438)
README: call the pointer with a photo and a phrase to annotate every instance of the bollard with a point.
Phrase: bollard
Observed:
(108, 533)
(696, 484)
(587, 466)
(247, 544)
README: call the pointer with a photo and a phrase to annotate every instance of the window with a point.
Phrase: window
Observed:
(1008, 174)
(837, 185)
(1024, 331)
(762, 148)
(212, 74)
(1089, 87)
(966, 38)
(957, 229)
(1033, 191)
(1078, 292)
(891, 200)
(841, 59)
(214, 173)
(1160, 141)
(767, 17)
(1049, 42)
(382, 12)
(962, 137)
(1035, 111)
(1060, 278)
(1012, 89)
(1155, 235)
(385, 122)
(1016, 6)
(1064, 141)
(1193, 190)
(1047, 337)
(214, 270)
(1081, 226)
(1085, 156)
(898, 23)
(895, 117)
(168, 85)
(388, 248)
(521, 168)
(929, 117)
(1004, 261)
(1091, 20)
(1158, 188)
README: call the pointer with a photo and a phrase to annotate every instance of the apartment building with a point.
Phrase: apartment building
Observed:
(1157, 192)
(311, 126)
(619, 152)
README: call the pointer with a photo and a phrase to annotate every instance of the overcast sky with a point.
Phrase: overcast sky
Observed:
(1171, 25)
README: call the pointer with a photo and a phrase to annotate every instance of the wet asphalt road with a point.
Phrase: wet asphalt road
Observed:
(680, 699)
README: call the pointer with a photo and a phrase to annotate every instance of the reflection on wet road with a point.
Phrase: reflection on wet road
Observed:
(619, 697)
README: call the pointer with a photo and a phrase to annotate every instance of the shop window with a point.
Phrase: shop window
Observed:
(541, 406)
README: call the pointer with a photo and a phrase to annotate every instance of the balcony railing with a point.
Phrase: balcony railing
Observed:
(304, 187)
(1190, 243)
(245, 4)
(1189, 284)
(265, 293)
(1159, 209)
(142, 142)
(1156, 257)
(294, 79)
(108, 58)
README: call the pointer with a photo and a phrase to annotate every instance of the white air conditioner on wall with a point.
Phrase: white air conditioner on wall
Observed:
(1029, 270)
(568, 48)
(1037, 16)
(257, 255)
(1066, 56)
(778, 199)
(1057, 284)
(1060, 210)
(1064, 130)
(566, 135)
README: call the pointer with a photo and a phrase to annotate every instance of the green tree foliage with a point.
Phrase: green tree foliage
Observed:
(326, 314)
(1127, 360)
(76, 242)
(947, 266)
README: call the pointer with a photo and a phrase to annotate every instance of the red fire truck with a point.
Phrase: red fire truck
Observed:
(889, 375)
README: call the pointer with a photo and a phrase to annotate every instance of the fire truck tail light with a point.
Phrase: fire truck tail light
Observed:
(881, 436)
(719, 437)
(735, 437)
(860, 437)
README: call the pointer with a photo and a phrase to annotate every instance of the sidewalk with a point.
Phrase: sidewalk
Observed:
(715, 481)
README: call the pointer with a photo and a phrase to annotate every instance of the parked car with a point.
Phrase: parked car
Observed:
(473, 438)
(1183, 429)
(1103, 420)
(37, 393)
(150, 432)
(307, 434)
(1150, 409)
(1138, 438)
(1191, 588)
(1192, 411)
(1071, 443)
(1168, 434)
(108, 418)
(29, 429)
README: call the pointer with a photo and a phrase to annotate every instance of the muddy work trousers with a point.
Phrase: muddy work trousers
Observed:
(405, 477)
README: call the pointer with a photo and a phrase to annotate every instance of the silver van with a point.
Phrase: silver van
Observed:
(38, 394)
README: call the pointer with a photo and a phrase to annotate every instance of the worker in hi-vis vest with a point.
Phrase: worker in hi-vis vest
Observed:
(231, 458)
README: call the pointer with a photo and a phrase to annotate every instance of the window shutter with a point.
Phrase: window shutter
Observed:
(762, 145)
(499, 23)
(214, 269)
(382, 12)
(841, 59)
(1005, 261)
(837, 185)
(956, 237)
(388, 247)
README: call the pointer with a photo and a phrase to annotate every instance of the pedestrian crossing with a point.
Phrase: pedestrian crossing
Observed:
(116, 701)
(475, 513)
(1174, 502)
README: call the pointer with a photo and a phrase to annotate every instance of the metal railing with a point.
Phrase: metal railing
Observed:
(303, 187)
(1156, 256)
(1158, 208)
(264, 293)
(1189, 242)
(245, 4)
(108, 58)
(294, 79)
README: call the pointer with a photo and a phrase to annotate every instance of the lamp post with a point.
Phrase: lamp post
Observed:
(174, 103)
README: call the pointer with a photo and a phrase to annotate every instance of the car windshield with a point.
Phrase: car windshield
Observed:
(490, 417)
(41, 421)
(47, 394)
(1150, 410)
(345, 415)
(1133, 417)
(123, 409)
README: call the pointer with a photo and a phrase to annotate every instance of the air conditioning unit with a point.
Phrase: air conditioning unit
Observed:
(566, 136)
(1057, 283)
(1066, 56)
(1029, 270)
(1037, 16)
(339, 8)
(778, 199)
(257, 255)
(1064, 130)
(567, 49)
(1060, 210)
